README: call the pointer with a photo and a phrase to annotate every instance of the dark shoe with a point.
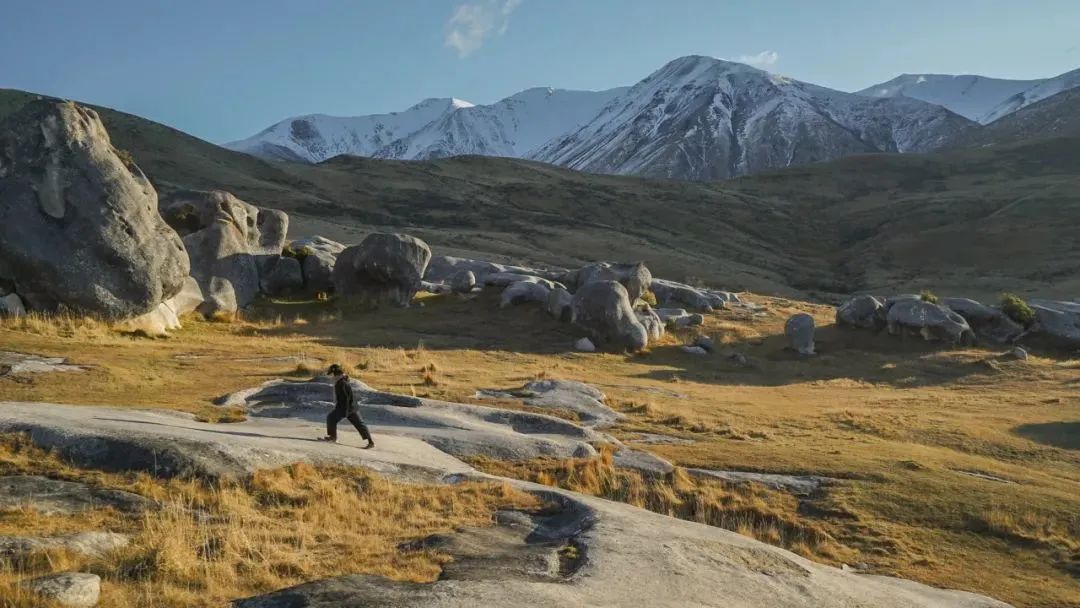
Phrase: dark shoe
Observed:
(370, 444)
(327, 439)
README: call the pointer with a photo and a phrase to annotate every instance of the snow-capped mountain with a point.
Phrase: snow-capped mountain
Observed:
(434, 128)
(979, 98)
(317, 137)
(704, 118)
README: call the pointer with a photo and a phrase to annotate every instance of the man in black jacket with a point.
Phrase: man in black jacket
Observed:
(344, 407)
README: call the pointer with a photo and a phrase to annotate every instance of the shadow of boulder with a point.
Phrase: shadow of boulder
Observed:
(1058, 434)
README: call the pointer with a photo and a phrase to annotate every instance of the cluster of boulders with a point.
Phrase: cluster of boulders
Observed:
(606, 300)
(961, 321)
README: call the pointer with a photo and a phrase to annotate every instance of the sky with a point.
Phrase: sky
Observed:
(225, 69)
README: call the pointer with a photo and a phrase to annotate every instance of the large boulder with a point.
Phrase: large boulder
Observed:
(1057, 321)
(318, 255)
(443, 268)
(863, 312)
(651, 321)
(671, 294)
(523, 292)
(636, 277)
(560, 304)
(281, 276)
(11, 305)
(463, 281)
(79, 224)
(603, 309)
(383, 269)
(989, 323)
(799, 330)
(931, 321)
(230, 243)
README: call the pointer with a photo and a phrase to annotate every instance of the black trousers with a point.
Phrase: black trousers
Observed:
(336, 416)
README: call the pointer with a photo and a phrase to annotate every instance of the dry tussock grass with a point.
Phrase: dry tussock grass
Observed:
(209, 543)
(749, 510)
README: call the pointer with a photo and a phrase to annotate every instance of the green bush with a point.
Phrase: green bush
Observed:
(299, 254)
(1017, 309)
(928, 296)
(649, 298)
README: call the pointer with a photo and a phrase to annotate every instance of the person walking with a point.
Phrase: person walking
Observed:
(344, 408)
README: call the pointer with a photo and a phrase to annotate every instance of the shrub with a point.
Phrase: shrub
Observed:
(1017, 309)
(649, 298)
(299, 254)
(928, 296)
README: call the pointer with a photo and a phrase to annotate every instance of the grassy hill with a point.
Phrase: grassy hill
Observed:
(974, 221)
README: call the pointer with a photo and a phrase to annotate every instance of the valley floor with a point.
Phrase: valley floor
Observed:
(957, 468)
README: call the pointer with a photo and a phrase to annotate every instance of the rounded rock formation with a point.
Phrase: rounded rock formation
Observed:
(383, 269)
(79, 225)
(799, 330)
(603, 309)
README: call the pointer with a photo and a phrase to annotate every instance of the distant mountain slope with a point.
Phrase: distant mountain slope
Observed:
(435, 128)
(979, 98)
(701, 118)
(973, 222)
(696, 118)
(1056, 116)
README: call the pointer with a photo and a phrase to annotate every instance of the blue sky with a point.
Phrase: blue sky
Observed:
(225, 69)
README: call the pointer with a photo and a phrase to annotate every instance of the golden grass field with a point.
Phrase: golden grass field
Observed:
(959, 468)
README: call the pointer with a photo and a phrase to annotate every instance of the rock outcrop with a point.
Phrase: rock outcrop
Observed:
(318, 255)
(636, 277)
(79, 224)
(989, 323)
(799, 330)
(670, 294)
(603, 309)
(383, 269)
(560, 304)
(463, 281)
(443, 268)
(863, 312)
(68, 589)
(230, 243)
(1058, 321)
(931, 321)
(522, 292)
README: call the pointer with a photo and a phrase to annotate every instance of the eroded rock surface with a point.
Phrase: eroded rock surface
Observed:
(57, 497)
(582, 399)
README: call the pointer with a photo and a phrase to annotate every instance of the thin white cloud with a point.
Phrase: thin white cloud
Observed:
(472, 23)
(763, 60)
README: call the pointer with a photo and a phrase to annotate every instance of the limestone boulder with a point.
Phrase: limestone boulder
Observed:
(671, 294)
(384, 269)
(989, 323)
(11, 305)
(79, 223)
(318, 255)
(799, 330)
(68, 589)
(863, 312)
(443, 268)
(1058, 321)
(463, 281)
(635, 277)
(933, 322)
(603, 309)
(230, 243)
(560, 304)
(523, 292)
(651, 321)
(280, 276)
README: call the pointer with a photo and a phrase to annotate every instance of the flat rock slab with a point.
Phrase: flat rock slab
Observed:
(172, 444)
(643, 462)
(458, 429)
(23, 363)
(799, 485)
(92, 544)
(657, 439)
(584, 400)
(611, 554)
(56, 497)
(68, 589)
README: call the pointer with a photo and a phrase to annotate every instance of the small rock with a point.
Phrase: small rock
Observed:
(463, 281)
(1019, 353)
(72, 589)
(690, 320)
(585, 345)
(705, 342)
(11, 305)
(740, 359)
(694, 350)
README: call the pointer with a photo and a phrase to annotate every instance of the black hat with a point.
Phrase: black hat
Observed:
(335, 370)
